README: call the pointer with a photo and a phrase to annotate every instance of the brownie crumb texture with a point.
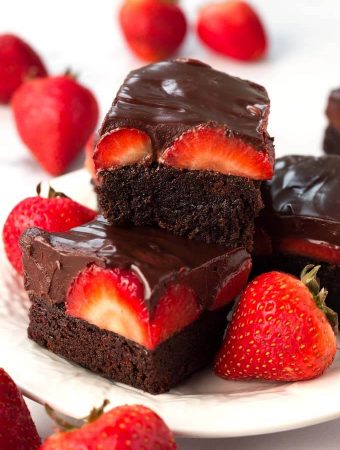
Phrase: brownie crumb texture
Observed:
(118, 359)
(201, 205)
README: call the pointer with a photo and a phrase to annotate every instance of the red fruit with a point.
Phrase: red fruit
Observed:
(113, 299)
(280, 330)
(17, 430)
(234, 29)
(232, 286)
(52, 214)
(129, 427)
(205, 148)
(18, 63)
(122, 147)
(154, 29)
(177, 309)
(89, 150)
(55, 117)
(319, 251)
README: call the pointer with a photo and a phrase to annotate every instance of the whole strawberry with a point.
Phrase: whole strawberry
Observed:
(55, 116)
(17, 430)
(18, 63)
(130, 427)
(154, 29)
(55, 213)
(234, 29)
(281, 330)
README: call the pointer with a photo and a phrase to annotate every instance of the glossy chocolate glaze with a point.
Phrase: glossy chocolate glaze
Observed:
(333, 109)
(52, 260)
(167, 98)
(303, 199)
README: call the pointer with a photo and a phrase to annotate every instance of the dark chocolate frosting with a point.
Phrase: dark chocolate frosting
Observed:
(167, 98)
(304, 198)
(52, 260)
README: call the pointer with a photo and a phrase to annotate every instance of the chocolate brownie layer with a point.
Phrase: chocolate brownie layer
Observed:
(201, 205)
(329, 274)
(119, 359)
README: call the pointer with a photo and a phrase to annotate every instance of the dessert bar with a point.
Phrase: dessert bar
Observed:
(185, 147)
(300, 224)
(136, 305)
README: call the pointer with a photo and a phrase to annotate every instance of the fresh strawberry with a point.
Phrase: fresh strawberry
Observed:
(18, 62)
(55, 117)
(234, 29)
(113, 299)
(129, 427)
(89, 150)
(154, 29)
(121, 147)
(281, 330)
(208, 148)
(319, 251)
(17, 430)
(232, 286)
(56, 213)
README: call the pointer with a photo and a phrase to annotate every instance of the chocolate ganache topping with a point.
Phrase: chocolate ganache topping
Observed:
(167, 98)
(303, 198)
(52, 260)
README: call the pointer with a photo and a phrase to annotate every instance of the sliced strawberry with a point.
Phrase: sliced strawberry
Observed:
(319, 251)
(175, 310)
(232, 286)
(122, 147)
(206, 148)
(112, 299)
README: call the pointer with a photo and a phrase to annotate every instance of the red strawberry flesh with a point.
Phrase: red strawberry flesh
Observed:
(234, 29)
(277, 333)
(207, 148)
(121, 147)
(54, 116)
(318, 251)
(18, 63)
(232, 286)
(113, 299)
(154, 29)
(125, 427)
(17, 430)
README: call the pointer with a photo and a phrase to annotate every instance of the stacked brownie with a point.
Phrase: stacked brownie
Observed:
(141, 294)
(300, 224)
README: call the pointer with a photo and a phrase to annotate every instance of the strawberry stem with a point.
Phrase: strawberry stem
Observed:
(69, 73)
(309, 279)
(64, 425)
(51, 192)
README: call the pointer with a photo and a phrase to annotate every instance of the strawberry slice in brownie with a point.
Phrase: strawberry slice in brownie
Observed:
(136, 305)
(185, 147)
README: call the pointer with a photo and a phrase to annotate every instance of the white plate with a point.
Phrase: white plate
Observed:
(204, 406)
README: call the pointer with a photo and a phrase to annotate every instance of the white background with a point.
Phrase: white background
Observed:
(302, 66)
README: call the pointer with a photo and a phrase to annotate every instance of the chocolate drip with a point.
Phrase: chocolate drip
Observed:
(167, 98)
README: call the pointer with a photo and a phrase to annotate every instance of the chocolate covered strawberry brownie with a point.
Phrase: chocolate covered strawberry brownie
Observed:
(185, 147)
(136, 305)
(300, 224)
